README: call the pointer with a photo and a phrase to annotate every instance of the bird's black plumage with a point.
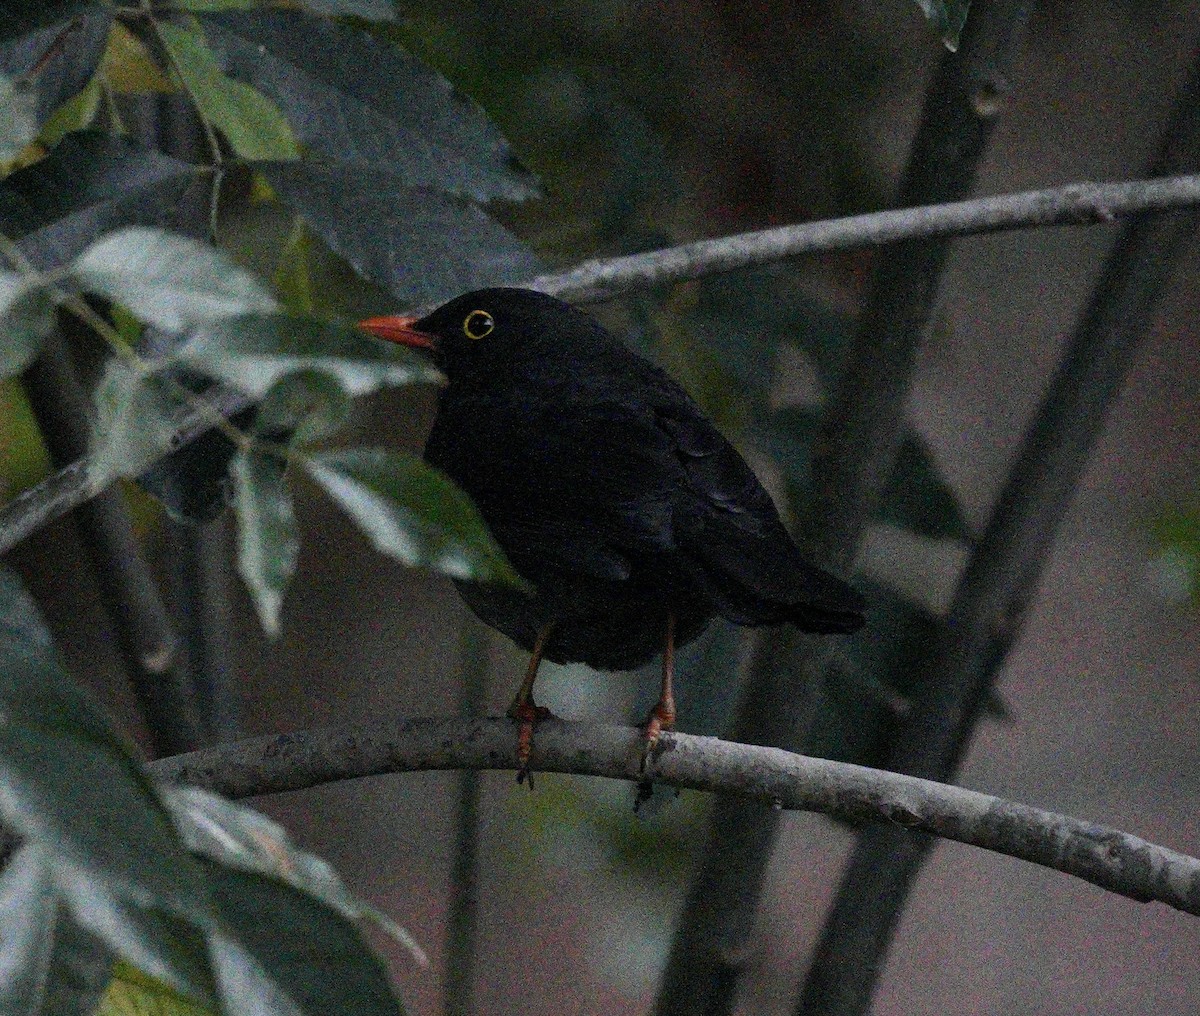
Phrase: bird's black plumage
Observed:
(607, 488)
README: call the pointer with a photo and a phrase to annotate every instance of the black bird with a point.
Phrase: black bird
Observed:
(633, 520)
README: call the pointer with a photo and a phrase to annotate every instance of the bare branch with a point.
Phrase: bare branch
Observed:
(462, 917)
(128, 591)
(1074, 204)
(1109, 858)
(71, 486)
(1077, 203)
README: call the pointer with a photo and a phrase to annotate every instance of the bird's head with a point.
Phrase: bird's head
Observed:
(490, 330)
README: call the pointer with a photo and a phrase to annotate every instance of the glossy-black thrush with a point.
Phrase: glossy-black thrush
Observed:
(632, 519)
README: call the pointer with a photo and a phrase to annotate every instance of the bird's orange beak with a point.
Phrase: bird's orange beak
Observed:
(395, 328)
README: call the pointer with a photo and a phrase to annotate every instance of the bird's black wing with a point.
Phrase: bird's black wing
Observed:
(584, 492)
(725, 522)
(617, 484)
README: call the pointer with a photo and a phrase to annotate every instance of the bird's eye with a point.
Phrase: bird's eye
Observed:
(478, 324)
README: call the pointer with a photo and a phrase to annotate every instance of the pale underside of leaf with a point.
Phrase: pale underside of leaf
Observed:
(268, 544)
(411, 512)
(169, 280)
(26, 318)
(253, 353)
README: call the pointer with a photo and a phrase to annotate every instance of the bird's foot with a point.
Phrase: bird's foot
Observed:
(528, 715)
(662, 717)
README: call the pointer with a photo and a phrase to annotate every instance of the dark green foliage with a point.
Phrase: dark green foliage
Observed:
(202, 895)
(280, 940)
(28, 314)
(58, 61)
(916, 496)
(353, 99)
(193, 483)
(21, 17)
(422, 245)
(89, 184)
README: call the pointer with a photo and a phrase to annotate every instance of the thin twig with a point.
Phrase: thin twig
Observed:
(127, 589)
(73, 485)
(1114, 860)
(462, 921)
(601, 280)
(996, 588)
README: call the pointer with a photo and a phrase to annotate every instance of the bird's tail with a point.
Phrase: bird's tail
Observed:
(768, 581)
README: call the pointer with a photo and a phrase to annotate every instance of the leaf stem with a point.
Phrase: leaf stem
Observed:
(210, 133)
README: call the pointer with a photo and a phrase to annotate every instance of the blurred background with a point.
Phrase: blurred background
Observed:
(652, 124)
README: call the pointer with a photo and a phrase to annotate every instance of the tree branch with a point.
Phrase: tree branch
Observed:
(593, 281)
(128, 591)
(462, 918)
(1075, 204)
(73, 485)
(1106, 857)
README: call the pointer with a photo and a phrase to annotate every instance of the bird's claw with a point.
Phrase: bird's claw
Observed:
(661, 718)
(528, 715)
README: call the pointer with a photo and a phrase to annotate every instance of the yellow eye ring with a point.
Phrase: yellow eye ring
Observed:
(478, 324)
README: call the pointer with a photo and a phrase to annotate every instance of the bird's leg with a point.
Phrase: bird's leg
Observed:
(524, 710)
(662, 716)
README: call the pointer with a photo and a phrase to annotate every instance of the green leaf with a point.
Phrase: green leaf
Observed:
(70, 784)
(137, 413)
(18, 118)
(292, 277)
(49, 966)
(253, 123)
(162, 946)
(169, 280)
(302, 408)
(56, 64)
(412, 512)
(240, 837)
(268, 544)
(133, 993)
(90, 183)
(948, 18)
(26, 318)
(292, 953)
(355, 99)
(422, 245)
(246, 987)
(252, 353)
(76, 114)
